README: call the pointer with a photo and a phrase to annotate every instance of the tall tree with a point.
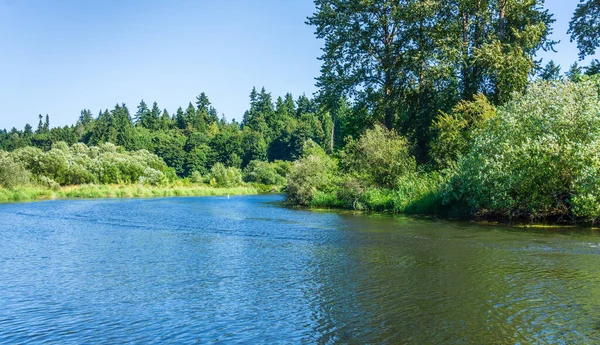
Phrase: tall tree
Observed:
(575, 72)
(593, 68)
(403, 60)
(550, 72)
(585, 27)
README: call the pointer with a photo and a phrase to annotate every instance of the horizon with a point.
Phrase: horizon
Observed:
(66, 57)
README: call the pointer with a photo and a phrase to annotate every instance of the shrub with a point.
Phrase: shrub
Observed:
(263, 173)
(80, 164)
(196, 177)
(316, 172)
(540, 156)
(455, 130)
(225, 177)
(153, 177)
(12, 174)
(380, 156)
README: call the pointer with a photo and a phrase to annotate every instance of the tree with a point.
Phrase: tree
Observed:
(27, 131)
(593, 68)
(575, 72)
(141, 116)
(363, 44)
(47, 124)
(403, 61)
(40, 127)
(585, 27)
(551, 72)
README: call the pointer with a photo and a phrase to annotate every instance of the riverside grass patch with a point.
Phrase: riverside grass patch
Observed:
(31, 193)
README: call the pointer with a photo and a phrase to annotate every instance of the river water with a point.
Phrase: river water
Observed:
(245, 270)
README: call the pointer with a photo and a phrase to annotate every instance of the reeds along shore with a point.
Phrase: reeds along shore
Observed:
(116, 191)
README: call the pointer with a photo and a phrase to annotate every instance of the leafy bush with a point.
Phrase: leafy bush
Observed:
(12, 173)
(225, 177)
(263, 173)
(380, 156)
(540, 156)
(283, 168)
(196, 177)
(455, 130)
(79, 164)
(316, 172)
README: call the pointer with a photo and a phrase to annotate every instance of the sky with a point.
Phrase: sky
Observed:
(61, 56)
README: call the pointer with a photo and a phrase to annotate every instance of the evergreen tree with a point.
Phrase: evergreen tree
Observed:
(40, 128)
(575, 72)
(47, 124)
(550, 72)
(142, 115)
(593, 68)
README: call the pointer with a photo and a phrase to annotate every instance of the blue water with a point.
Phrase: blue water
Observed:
(245, 270)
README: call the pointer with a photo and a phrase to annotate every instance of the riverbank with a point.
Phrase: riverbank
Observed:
(90, 191)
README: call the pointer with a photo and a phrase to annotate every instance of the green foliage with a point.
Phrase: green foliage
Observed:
(264, 173)
(538, 157)
(379, 157)
(585, 27)
(196, 177)
(403, 61)
(311, 174)
(12, 172)
(80, 164)
(551, 72)
(116, 191)
(415, 194)
(225, 177)
(455, 130)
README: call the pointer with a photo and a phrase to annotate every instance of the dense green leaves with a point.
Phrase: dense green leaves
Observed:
(406, 60)
(80, 164)
(379, 157)
(538, 156)
(454, 130)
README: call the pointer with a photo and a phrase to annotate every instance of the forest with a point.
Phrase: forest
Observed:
(425, 107)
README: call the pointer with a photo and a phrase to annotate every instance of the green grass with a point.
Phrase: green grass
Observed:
(419, 194)
(30, 193)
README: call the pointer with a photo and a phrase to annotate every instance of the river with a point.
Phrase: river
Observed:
(246, 270)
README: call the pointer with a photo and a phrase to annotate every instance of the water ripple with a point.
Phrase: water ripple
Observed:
(242, 270)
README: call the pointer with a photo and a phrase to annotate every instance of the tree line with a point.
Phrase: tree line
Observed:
(192, 139)
(413, 95)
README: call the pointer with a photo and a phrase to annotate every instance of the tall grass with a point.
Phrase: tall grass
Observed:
(92, 191)
(416, 194)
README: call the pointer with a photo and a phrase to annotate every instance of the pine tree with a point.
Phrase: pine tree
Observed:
(551, 72)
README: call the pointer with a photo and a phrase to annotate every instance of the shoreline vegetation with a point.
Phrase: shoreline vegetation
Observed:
(534, 159)
(36, 193)
(452, 115)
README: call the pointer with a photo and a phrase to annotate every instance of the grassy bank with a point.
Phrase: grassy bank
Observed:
(419, 194)
(31, 193)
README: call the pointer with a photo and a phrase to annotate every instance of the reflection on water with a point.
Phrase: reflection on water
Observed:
(245, 270)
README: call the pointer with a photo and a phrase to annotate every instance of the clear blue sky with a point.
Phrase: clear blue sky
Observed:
(61, 56)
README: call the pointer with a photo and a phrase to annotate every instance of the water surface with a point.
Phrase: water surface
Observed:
(244, 270)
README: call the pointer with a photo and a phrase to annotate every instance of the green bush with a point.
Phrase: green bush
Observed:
(263, 173)
(455, 130)
(196, 177)
(79, 164)
(415, 194)
(12, 173)
(539, 157)
(379, 157)
(316, 172)
(225, 177)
